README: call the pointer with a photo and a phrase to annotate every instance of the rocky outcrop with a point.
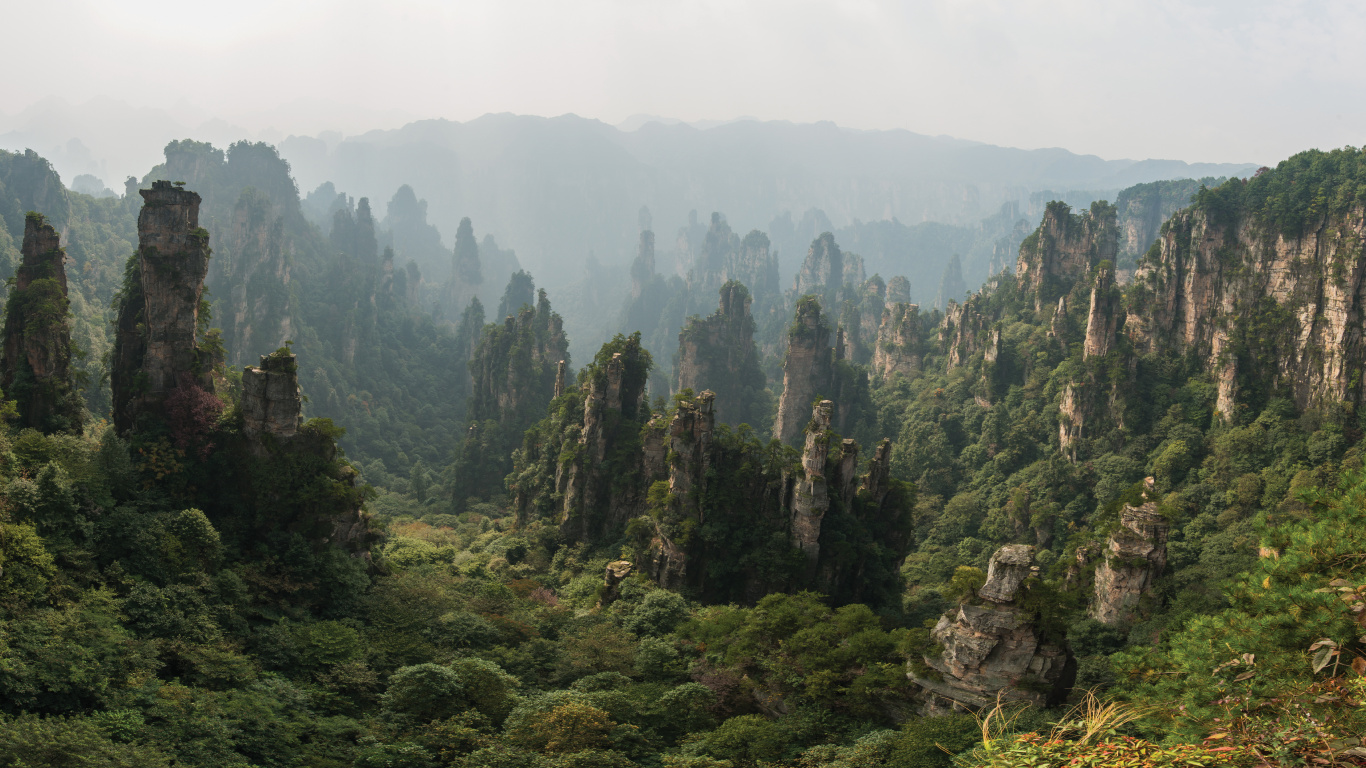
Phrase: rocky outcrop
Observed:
(898, 351)
(253, 264)
(963, 331)
(1143, 208)
(271, 403)
(812, 497)
(36, 357)
(807, 370)
(1103, 321)
(898, 290)
(1286, 308)
(995, 649)
(616, 572)
(1064, 248)
(156, 346)
(467, 274)
(643, 267)
(1133, 558)
(1093, 400)
(827, 270)
(718, 353)
(724, 256)
(516, 364)
(689, 455)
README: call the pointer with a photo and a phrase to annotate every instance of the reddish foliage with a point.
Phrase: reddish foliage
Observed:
(191, 412)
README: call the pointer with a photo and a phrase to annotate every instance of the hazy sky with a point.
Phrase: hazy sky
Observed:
(1244, 80)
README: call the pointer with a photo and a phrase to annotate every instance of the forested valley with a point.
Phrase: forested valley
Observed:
(288, 482)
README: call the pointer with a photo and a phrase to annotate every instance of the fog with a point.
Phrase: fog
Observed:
(1245, 82)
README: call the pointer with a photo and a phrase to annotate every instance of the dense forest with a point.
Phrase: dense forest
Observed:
(288, 483)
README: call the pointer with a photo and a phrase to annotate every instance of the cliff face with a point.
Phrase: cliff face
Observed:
(963, 332)
(995, 648)
(156, 345)
(515, 365)
(812, 497)
(827, 270)
(898, 342)
(1134, 556)
(467, 275)
(718, 353)
(253, 262)
(643, 267)
(1102, 321)
(1093, 399)
(271, 404)
(1142, 209)
(1259, 306)
(807, 370)
(1064, 248)
(35, 360)
(602, 465)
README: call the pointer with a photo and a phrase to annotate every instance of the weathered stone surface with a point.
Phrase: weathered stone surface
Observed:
(1103, 321)
(1211, 279)
(1134, 556)
(1071, 421)
(812, 498)
(878, 480)
(36, 357)
(898, 290)
(1064, 248)
(254, 252)
(616, 572)
(1006, 571)
(962, 331)
(807, 370)
(898, 350)
(271, 404)
(827, 269)
(155, 345)
(995, 649)
(717, 353)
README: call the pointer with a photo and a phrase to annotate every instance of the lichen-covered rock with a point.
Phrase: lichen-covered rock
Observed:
(36, 356)
(995, 649)
(1134, 556)
(156, 346)
(271, 404)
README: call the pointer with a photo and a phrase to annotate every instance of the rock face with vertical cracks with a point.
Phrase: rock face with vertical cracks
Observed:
(156, 346)
(812, 498)
(806, 370)
(1064, 248)
(898, 342)
(271, 404)
(35, 361)
(1133, 558)
(717, 353)
(252, 260)
(995, 648)
(1253, 302)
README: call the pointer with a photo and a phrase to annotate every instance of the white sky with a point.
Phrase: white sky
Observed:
(1239, 81)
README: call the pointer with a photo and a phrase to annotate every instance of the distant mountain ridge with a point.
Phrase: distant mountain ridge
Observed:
(558, 188)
